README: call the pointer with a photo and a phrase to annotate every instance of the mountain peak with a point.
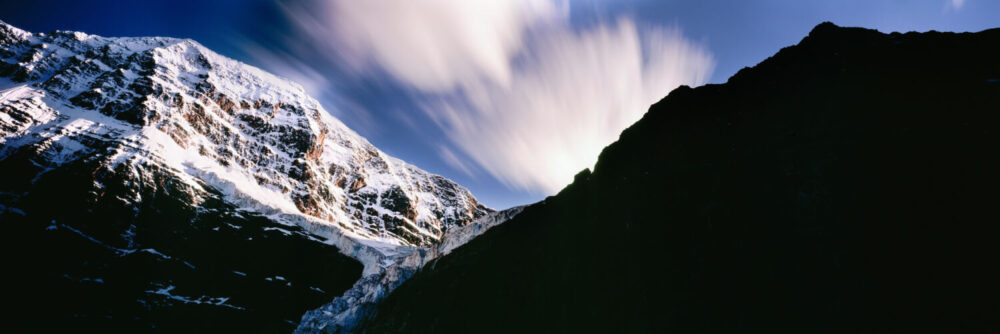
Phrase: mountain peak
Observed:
(160, 146)
(225, 123)
(823, 28)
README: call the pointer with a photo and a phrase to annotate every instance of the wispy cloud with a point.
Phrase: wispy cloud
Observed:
(956, 4)
(288, 66)
(572, 95)
(433, 45)
(513, 86)
(454, 161)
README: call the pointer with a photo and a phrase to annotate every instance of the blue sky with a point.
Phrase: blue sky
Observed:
(508, 99)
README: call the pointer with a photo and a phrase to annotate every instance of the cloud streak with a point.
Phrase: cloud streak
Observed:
(572, 95)
(512, 86)
(433, 45)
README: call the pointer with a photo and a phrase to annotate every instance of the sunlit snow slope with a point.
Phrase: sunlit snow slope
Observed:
(137, 118)
(258, 138)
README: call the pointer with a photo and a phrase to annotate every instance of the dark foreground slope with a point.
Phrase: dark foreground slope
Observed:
(79, 258)
(849, 183)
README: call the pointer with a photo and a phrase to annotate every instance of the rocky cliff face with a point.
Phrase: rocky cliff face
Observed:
(143, 146)
(846, 184)
(212, 118)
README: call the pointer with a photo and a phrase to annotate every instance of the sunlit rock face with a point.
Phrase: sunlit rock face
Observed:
(178, 104)
(211, 172)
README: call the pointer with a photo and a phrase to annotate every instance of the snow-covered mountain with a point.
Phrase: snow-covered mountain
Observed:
(258, 137)
(164, 113)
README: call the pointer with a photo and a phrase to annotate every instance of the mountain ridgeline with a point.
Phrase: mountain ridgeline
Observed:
(846, 184)
(150, 184)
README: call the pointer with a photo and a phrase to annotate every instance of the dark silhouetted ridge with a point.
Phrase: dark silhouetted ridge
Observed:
(846, 184)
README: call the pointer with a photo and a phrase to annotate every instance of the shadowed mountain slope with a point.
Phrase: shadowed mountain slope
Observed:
(846, 184)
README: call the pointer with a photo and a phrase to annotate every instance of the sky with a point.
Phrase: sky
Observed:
(508, 98)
